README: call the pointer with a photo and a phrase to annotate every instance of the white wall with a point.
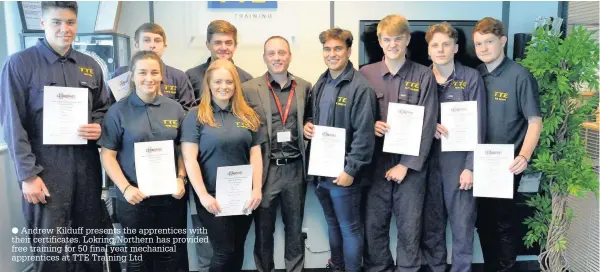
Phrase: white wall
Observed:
(133, 14)
(522, 17)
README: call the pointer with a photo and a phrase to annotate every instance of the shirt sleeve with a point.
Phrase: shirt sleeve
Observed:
(180, 119)
(428, 99)
(13, 117)
(195, 82)
(187, 99)
(476, 92)
(112, 131)
(528, 96)
(190, 129)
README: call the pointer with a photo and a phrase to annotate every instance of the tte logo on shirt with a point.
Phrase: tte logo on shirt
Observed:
(412, 86)
(242, 125)
(459, 84)
(500, 96)
(171, 123)
(170, 89)
(86, 71)
(341, 101)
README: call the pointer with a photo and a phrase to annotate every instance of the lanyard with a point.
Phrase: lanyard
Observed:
(288, 106)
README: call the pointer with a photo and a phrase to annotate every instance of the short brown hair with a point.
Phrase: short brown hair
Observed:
(150, 28)
(142, 55)
(221, 26)
(72, 5)
(393, 24)
(444, 28)
(337, 34)
(490, 25)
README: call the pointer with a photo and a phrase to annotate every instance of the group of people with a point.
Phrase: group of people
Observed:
(218, 115)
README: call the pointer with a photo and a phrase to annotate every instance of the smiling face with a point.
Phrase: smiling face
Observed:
(394, 47)
(221, 46)
(221, 85)
(336, 54)
(489, 47)
(60, 28)
(147, 76)
(277, 56)
(441, 48)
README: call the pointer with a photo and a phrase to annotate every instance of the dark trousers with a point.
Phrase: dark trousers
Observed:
(444, 202)
(152, 214)
(73, 177)
(497, 229)
(405, 200)
(284, 186)
(227, 234)
(341, 206)
(204, 251)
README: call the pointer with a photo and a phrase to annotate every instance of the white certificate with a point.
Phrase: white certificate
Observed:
(119, 86)
(491, 174)
(406, 127)
(234, 189)
(327, 151)
(65, 110)
(155, 167)
(460, 119)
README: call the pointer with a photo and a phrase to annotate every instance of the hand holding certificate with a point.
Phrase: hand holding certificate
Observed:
(406, 127)
(327, 151)
(234, 189)
(491, 171)
(65, 110)
(155, 167)
(460, 119)
(119, 86)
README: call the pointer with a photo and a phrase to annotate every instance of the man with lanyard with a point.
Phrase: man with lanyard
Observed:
(450, 179)
(221, 42)
(175, 84)
(283, 155)
(61, 184)
(513, 117)
(398, 182)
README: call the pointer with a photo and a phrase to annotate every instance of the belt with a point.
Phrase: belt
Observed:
(284, 161)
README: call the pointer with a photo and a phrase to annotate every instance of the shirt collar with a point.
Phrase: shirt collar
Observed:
(290, 78)
(498, 70)
(403, 72)
(51, 55)
(135, 100)
(216, 107)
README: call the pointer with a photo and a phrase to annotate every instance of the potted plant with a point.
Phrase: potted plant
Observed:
(561, 66)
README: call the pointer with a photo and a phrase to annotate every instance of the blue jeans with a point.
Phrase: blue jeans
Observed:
(341, 206)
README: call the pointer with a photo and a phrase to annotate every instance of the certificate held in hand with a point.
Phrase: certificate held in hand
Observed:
(327, 150)
(491, 171)
(119, 86)
(234, 189)
(460, 119)
(65, 110)
(155, 167)
(406, 127)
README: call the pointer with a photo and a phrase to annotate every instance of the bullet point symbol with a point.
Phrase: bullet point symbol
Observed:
(15, 230)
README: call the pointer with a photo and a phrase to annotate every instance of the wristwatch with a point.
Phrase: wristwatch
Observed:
(184, 178)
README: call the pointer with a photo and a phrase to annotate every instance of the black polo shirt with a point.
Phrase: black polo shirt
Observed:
(512, 98)
(131, 120)
(228, 144)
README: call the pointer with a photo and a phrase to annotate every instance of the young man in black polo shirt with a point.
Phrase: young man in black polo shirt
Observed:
(513, 117)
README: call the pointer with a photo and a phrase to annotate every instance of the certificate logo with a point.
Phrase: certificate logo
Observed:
(458, 109)
(405, 112)
(234, 173)
(62, 96)
(86, 71)
(327, 134)
(493, 152)
(151, 150)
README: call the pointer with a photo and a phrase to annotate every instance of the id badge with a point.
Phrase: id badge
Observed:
(284, 136)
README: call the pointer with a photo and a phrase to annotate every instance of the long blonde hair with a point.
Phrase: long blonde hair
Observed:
(238, 104)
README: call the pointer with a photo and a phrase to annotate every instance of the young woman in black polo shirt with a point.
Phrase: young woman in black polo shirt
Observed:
(144, 116)
(222, 131)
